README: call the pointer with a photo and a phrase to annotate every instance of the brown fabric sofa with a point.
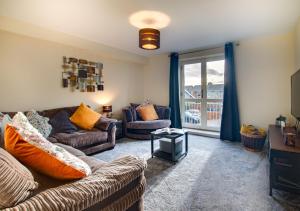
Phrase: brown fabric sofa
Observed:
(118, 185)
(101, 138)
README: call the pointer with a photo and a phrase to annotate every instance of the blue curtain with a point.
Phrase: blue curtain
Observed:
(230, 125)
(174, 91)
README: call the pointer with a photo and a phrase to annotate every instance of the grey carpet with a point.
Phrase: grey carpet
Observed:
(215, 175)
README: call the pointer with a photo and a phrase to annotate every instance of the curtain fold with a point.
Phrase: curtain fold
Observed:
(174, 91)
(230, 125)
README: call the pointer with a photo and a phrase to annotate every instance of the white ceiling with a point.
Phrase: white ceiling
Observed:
(194, 23)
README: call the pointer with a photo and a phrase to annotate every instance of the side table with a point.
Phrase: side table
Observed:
(169, 156)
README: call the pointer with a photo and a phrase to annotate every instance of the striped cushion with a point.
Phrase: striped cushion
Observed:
(15, 179)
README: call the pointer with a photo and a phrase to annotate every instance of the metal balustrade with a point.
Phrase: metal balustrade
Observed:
(192, 113)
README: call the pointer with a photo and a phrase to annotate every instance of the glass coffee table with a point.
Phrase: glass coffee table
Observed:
(172, 135)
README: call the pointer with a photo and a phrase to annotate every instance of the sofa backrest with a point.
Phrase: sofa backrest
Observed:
(46, 113)
(49, 112)
(163, 112)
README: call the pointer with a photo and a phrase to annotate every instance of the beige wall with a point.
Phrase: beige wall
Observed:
(30, 76)
(297, 35)
(264, 66)
(156, 79)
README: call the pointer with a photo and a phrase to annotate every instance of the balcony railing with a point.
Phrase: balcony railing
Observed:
(193, 116)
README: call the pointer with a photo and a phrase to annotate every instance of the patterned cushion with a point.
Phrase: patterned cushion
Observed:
(39, 122)
(4, 120)
(15, 179)
(70, 149)
(24, 142)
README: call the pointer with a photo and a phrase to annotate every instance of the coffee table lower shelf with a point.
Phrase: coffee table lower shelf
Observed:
(168, 156)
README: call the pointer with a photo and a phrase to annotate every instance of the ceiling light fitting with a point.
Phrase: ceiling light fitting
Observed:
(149, 39)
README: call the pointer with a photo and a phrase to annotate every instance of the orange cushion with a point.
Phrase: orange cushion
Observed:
(85, 117)
(147, 112)
(26, 144)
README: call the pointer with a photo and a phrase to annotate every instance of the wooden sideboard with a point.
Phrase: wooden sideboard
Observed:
(284, 162)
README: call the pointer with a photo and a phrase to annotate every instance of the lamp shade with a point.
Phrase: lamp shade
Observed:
(107, 108)
(149, 39)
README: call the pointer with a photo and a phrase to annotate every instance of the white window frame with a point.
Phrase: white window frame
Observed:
(199, 57)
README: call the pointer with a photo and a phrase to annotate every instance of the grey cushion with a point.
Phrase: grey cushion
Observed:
(81, 138)
(155, 124)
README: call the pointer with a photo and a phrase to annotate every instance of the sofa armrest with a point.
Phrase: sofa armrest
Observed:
(127, 114)
(105, 124)
(108, 125)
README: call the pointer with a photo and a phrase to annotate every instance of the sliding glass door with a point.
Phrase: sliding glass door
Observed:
(202, 85)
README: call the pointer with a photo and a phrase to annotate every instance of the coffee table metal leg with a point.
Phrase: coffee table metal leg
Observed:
(186, 143)
(152, 145)
(173, 149)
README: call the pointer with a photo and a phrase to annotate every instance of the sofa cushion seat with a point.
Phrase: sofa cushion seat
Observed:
(149, 125)
(94, 163)
(82, 138)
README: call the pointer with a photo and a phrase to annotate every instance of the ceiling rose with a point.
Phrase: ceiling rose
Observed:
(149, 19)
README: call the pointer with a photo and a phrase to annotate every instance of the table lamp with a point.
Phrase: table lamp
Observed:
(107, 109)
